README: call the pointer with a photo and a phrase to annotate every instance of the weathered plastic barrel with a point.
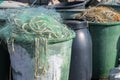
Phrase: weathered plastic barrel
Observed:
(69, 9)
(57, 59)
(106, 48)
(81, 58)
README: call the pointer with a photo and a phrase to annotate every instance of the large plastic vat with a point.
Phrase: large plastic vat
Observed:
(106, 49)
(68, 10)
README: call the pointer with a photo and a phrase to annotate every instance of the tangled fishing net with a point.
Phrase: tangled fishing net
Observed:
(27, 24)
(100, 15)
(33, 29)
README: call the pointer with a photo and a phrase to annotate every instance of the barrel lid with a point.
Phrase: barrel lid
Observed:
(76, 24)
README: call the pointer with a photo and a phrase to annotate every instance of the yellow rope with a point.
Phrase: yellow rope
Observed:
(100, 14)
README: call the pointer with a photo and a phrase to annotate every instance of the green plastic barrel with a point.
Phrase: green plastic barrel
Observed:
(106, 49)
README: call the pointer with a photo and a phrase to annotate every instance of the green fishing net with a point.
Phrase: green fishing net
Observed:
(24, 25)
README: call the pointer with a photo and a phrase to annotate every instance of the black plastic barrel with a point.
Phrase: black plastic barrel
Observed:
(69, 9)
(81, 58)
(70, 5)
